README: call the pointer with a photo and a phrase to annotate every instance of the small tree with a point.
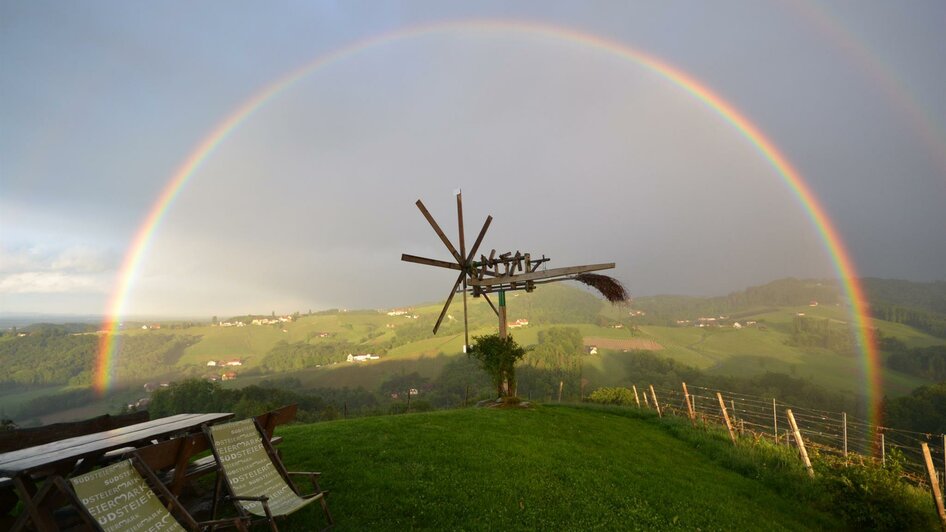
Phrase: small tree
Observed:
(498, 357)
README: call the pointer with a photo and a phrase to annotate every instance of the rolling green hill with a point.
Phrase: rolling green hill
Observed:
(772, 328)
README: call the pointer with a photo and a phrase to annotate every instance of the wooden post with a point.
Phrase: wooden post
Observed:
(775, 418)
(800, 442)
(722, 406)
(934, 484)
(503, 331)
(883, 450)
(844, 418)
(561, 385)
(646, 401)
(656, 404)
(686, 397)
(638, 399)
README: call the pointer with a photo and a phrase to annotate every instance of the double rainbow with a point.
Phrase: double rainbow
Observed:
(842, 263)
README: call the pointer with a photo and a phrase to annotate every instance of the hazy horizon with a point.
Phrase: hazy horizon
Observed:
(578, 153)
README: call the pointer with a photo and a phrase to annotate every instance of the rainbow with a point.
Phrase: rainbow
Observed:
(841, 259)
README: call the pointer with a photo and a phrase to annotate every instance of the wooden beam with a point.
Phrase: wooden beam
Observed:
(490, 304)
(554, 272)
(479, 239)
(449, 299)
(431, 262)
(438, 230)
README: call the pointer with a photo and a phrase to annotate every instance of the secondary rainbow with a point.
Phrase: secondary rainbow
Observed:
(841, 260)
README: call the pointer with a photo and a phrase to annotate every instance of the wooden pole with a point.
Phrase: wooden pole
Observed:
(883, 450)
(638, 399)
(844, 418)
(646, 401)
(466, 334)
(775, 418)
(503, 332)
(656, 404)
(800, 442)
(686, 397)
(934, 484)
(722, 406)
(561, 385)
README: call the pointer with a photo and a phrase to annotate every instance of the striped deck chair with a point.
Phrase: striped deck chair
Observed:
(121, 498)
(255, 476)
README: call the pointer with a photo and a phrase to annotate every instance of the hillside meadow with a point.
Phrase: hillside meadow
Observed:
(528, 469)
(568, 468)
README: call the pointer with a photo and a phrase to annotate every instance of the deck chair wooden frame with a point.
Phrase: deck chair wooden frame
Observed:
(254, 476)
(280, 416)
(136, 493)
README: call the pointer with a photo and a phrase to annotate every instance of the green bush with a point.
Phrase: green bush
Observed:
(871, 496)
(612, 396)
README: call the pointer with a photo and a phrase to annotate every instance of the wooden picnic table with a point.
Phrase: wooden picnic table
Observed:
(82, 453)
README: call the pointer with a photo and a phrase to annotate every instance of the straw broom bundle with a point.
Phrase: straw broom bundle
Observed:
(610, 288)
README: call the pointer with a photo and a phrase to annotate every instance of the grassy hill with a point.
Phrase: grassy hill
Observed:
(312, 348)
(554, 468)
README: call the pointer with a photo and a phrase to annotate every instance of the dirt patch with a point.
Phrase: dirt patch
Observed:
(622, 344)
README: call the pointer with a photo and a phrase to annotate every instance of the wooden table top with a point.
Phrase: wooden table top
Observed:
(73, 449)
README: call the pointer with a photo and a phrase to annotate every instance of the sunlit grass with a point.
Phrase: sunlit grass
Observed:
(550, 468)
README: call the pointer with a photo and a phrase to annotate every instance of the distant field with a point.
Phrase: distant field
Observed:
(625, 343)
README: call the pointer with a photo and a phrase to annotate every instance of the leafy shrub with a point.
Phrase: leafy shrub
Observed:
(870, 496)
(612, 396)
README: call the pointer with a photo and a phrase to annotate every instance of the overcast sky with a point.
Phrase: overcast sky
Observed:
(577, 153)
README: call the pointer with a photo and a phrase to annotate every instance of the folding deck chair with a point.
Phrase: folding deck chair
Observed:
(121, 498)
(255, 477)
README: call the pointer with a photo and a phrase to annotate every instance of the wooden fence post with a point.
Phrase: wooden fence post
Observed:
(646, 401)
(722, 406)
(561, 385)
(800, 442)
(656, 404)
(844, 417)
(636, 398)
(775, 418)
(686, 397)
(934, 484)
(883, 450)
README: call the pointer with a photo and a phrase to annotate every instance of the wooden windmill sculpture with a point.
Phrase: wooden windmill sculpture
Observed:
(504, 273)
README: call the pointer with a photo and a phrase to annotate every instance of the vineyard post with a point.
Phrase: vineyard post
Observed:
(656, 404)
(800, 442)
(883, 450)
(686, 397)
(722, 406)
(646, 401)
(636, 398)
(934, 484)
(844, 417)
(775, 419)
(561, 385)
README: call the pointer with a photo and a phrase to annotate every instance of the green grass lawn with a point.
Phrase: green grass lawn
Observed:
(548, 468)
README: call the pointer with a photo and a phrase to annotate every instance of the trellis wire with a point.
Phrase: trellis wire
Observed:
(835, 433)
